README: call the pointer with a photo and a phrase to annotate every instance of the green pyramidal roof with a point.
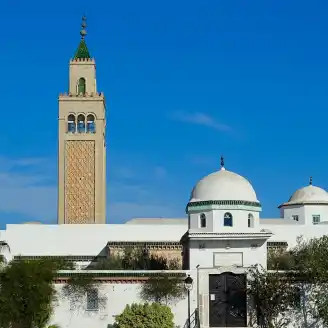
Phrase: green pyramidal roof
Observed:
(82, 51)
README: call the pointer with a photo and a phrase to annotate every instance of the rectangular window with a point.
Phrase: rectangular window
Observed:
(295, 217)
(92, 300)
(315, 219)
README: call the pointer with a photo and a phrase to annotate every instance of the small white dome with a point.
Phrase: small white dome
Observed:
(309, 194)
(223, 185)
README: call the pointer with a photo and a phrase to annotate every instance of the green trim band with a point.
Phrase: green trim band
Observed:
(191, 205)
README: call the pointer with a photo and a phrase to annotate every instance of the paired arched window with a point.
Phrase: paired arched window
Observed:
(250, 220)
(81, 86)
(81, 124)
(91, 127)
(202, 219)
(71, 123)
(228, 220)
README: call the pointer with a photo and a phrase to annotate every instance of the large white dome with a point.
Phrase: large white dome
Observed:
(309, 194)
(223, 185)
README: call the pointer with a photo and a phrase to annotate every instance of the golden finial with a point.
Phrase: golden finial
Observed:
(83, 31)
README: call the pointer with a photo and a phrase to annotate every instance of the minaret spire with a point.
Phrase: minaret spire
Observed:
(310, 182)
(82, 51)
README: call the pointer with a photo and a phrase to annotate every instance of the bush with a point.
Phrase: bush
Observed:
(165, 290)
(145, 316)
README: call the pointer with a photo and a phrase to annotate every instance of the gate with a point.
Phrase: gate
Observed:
(227, 301)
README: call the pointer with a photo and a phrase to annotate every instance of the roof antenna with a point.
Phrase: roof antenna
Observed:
(222, 163)
(310, 181)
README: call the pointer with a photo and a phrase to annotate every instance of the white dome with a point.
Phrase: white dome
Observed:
(309, 194)
(223, 185)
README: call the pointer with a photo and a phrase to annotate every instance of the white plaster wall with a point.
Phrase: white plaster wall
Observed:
(215, 220)
(88, 239)
(202, 252)
(117, 296)
(289, 211)
(311, 210)
(289, 233)
(305, 212)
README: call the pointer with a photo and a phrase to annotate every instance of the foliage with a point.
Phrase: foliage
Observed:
(26, 293)
(305, 268)
(311, 262)
(78, 286)
(280, 259)
(145, 316)
(163, 289)
(273, 296)
(136, 259)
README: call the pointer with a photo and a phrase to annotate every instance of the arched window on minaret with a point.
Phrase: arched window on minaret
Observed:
(81, 124)
(91, 126)
(81, 86)
(71, 123)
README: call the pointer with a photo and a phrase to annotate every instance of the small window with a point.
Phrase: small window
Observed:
(81, 87)
(228, 220)
(295, 217)
(315, 219)
(91, 127)
(250, 220)
(92, 300)
(71, 124)
(203, 220)
(81, 124)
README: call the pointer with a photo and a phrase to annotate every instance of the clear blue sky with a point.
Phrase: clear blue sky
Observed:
(185, 81)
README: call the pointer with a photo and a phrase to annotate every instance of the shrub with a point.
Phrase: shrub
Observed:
(145, 316)
(163, 289)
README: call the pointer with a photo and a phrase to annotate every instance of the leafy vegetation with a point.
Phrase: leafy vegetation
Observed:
(136, 259)
(295, 287)
(163, 289)
(27, 292)
(146, 315)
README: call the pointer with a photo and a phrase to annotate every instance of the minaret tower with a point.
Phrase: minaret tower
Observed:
(82, 148)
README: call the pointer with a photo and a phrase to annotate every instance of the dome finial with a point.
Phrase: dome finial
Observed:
(83, 31)
(222, 163)
(310, 181)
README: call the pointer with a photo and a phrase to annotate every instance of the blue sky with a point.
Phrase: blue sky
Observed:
(185, 81)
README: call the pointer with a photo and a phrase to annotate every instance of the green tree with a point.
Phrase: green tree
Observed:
(145, 316)
(163, 289)
(273, 297)
(27, 292)
(311, 263)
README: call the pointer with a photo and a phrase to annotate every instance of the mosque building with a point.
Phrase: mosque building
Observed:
(223, 231)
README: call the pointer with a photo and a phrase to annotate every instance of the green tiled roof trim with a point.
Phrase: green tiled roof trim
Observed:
(122, 274)
(224, 202)
(82, 51)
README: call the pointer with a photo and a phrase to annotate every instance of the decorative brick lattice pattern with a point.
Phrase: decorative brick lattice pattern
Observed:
(79, 182)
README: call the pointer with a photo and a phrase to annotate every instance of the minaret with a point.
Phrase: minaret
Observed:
(82, 148)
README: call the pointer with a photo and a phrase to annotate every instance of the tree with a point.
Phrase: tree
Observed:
(145, 316)
(311, 263)
(136, 259)
(272, 296)
(304, 274)
(163, 289)
(27, 292)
